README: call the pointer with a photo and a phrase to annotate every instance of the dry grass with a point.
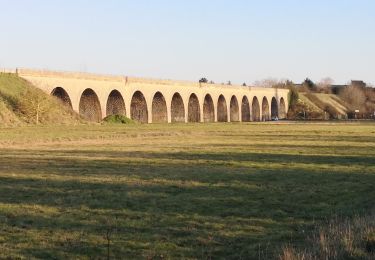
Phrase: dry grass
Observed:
(348, 238)
(326, 103)
(7, 116)
(331, 99)
(309, 104)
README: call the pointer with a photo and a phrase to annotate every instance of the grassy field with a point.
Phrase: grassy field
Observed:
(234, 191)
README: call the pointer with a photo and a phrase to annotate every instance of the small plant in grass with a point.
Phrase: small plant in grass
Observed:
(118, 119)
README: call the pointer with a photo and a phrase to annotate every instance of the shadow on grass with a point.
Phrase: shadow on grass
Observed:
(103, 156)
(200, 207)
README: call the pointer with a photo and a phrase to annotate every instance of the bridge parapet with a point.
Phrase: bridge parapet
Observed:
(127, 79)
(10, 71)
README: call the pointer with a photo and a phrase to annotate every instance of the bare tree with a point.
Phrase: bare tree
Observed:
(325, 85)
(326, 82)
(268, 83)
(354, 96)
(33, 105)
(272, 83)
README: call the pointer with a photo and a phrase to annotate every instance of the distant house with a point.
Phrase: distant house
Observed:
(337, 88)
(296, 85)
(358, 83)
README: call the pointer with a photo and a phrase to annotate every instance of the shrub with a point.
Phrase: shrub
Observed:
(203, 80)
(118, 119)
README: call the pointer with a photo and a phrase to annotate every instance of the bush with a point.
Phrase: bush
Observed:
(118, 119)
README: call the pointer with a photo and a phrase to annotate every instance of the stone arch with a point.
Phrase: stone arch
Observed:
(282, 109)
(222, 112)
(194, 113)
(255, 109)
(138, 108)
(177, 109)
(159, 109)
(274, 108)
(245, 109)
(208, 109)
(62, 95)
(89, 106)
(234, 110)
(115, 104)
(265, 110)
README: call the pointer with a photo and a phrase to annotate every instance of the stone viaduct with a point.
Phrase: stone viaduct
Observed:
(156, 101)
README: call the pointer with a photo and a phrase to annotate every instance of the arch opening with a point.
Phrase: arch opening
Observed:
(115, 104)
(208, 109)
(255, 109)
(222, 114)
(89, 106)
(234, 110)
(177, 109)
(159, 109)
(274, 109)
(62, 95)
(245, 109)
(194, 113)
(282, 109)
(265, 110)
(138, 108)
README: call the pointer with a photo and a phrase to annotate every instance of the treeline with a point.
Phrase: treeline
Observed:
(356, 96)
(360, 100)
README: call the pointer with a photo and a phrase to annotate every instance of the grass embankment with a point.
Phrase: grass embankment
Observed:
(318, 103)
(22, 103)
(233, 191)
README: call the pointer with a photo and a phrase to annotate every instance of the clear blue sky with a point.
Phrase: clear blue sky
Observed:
(237, 40)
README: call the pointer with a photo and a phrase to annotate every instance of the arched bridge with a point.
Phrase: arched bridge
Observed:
(155, 101)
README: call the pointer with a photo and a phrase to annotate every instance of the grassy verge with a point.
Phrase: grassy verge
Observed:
(179, 191)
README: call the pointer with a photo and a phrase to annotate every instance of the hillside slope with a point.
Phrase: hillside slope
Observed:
(7, 116)
(311, 106)
(22, 103)
(330, 103)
